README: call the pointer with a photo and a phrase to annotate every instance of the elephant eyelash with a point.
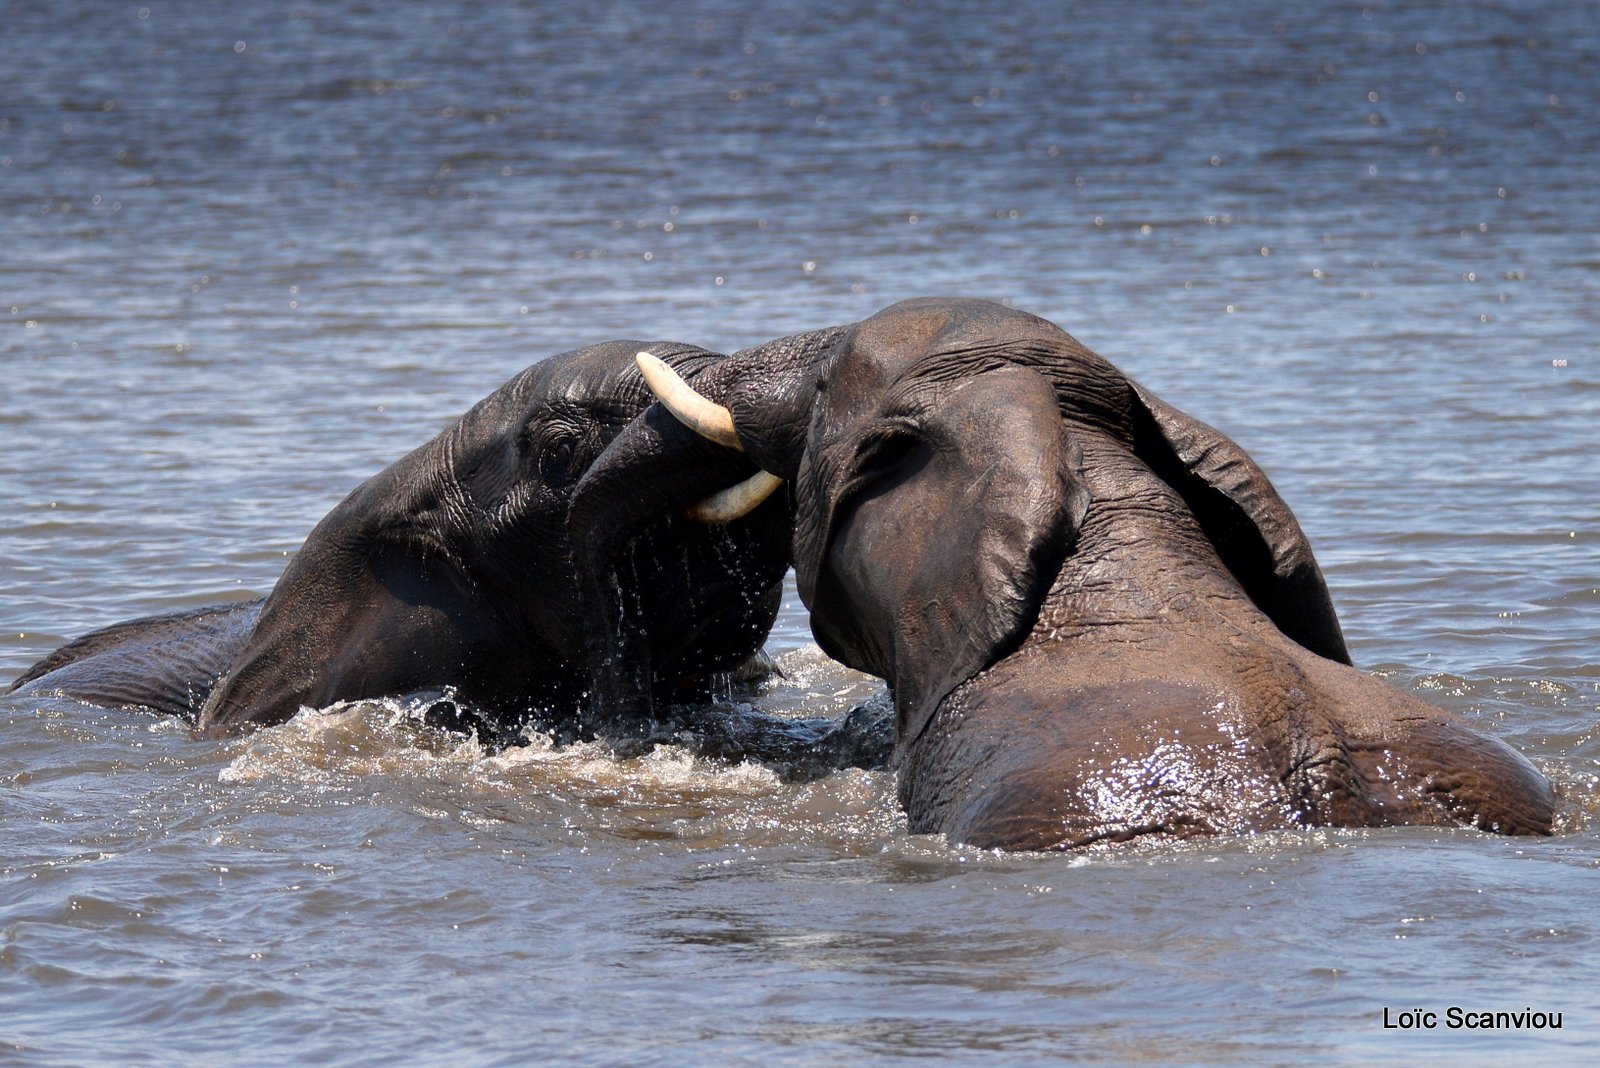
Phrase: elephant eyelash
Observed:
(886, 448)
(561, 450)
(554, 457)
(893, 432)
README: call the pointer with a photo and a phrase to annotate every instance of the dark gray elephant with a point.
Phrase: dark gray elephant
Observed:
(1097, 617)
(451, 568)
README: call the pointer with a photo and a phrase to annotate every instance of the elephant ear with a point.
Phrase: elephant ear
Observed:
(1252, 528)
(935, 532)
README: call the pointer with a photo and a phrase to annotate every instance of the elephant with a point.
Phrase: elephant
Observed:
(451, 569)
(1098, 620)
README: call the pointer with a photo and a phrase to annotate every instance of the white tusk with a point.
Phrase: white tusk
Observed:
(706, 418)
(736, 501)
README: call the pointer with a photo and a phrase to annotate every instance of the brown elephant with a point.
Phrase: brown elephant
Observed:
(1097, 617)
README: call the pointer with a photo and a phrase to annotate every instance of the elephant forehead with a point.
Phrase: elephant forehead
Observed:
(902, 333)
(606, 376)
(957, 315)
(932, 340)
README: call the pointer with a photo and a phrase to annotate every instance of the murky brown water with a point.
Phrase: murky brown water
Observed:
(250, 258)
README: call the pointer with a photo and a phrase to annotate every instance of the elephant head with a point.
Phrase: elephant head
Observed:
(1097, 617)
(452, 567)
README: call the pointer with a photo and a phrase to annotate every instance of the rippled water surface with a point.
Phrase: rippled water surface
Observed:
(253, 253)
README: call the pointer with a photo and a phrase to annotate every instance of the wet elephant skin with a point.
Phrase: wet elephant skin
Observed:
(451, 568)
(1097, 617)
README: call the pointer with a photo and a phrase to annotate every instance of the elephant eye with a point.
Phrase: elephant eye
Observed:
(555, 459)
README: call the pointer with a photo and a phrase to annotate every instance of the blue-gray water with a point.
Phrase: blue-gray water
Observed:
(250, 254)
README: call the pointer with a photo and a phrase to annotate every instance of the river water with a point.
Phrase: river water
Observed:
(253, 253)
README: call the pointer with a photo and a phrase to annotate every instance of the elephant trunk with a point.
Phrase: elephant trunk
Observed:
(713, 422)
(654, 470)
(772, 392)
(657, 470)
(760, 399)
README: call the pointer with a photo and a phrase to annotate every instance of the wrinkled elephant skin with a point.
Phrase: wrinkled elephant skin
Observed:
(1097, 617)
(451, 568)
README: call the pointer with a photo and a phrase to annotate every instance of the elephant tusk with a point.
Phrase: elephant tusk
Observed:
(735, 502)
(706, 418)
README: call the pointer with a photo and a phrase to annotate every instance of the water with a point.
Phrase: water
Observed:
(250, 256)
